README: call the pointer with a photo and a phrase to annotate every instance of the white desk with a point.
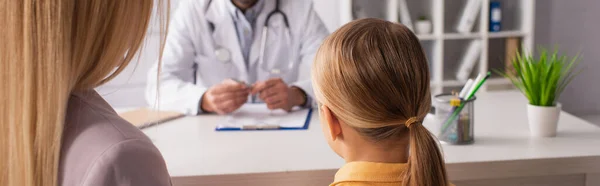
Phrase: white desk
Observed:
(503, 153)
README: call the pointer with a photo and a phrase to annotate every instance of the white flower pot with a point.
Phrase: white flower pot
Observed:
(423, 26)
(543, 121)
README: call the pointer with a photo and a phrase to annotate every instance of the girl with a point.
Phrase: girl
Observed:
(371, 80)
(54, 128)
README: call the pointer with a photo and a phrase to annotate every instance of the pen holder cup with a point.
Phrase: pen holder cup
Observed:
(455, 119)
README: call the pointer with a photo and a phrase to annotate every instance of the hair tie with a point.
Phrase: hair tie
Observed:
(410, 121)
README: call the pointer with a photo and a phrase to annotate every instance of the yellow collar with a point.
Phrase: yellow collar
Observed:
(370, 172)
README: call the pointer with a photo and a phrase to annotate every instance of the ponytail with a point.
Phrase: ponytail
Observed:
(373, 73)
(425, 162)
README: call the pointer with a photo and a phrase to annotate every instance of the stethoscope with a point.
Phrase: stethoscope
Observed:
(224, 55)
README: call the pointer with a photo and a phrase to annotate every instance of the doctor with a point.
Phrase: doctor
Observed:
(220, 54)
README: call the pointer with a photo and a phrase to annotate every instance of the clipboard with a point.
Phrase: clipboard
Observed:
(267, 127)
(144, 117)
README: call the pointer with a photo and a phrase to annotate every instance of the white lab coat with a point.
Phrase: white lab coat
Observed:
(189, 66)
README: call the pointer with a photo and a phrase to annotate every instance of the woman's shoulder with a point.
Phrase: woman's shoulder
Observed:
(100, 148)
(90, 115)
(132, 162)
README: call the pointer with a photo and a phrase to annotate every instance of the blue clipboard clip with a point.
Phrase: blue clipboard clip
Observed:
(268, 127)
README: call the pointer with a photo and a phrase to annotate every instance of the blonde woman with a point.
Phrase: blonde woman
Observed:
(371, 80)
(54, 128)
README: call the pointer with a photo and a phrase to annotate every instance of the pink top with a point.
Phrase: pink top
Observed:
(100, 148)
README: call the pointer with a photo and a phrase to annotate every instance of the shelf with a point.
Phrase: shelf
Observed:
(505, 34)
(426, 36)
(445, 47)
(492, 81)
(452, 83)
(501, 34)
(498, 81)
(461, 36)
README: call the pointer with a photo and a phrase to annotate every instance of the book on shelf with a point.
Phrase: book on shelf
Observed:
(468, 16)
(469, 60)
(405, 15)
(511, 48)
(392, 13)
(495, 16)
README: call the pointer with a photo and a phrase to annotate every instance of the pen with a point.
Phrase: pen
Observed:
(241, 82)
(252, 97)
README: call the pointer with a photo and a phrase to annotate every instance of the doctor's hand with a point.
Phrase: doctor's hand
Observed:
(225, 97)
(277, 95)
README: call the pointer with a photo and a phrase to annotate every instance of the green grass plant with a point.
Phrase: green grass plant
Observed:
(542, 80)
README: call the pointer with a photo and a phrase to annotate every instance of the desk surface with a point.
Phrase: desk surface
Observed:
(191, 146)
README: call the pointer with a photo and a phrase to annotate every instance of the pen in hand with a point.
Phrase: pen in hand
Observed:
(249, 86)
(242, 82)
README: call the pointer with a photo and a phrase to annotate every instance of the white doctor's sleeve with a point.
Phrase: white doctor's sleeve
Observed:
(313, 34)
(176, 89)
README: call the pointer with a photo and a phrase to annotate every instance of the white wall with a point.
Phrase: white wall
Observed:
(329, 10)
(127, 90)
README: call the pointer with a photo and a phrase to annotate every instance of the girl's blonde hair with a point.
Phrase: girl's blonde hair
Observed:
(48, 49)
(373, 75)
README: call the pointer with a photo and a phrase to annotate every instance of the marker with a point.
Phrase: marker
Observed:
(474, 90)
(465, 89)
(477, 80)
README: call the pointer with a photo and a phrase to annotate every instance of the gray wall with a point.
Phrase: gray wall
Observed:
(573, 27)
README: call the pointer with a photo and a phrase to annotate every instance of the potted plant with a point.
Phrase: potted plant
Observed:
(542, 81)
(423, 25)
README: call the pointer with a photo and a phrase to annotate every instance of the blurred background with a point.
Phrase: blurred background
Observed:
(570, 26)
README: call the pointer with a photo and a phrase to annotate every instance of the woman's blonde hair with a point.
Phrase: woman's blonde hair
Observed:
(373, 75)
(48, 49)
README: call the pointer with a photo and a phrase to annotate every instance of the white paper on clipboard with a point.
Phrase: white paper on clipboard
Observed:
(258, 115)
